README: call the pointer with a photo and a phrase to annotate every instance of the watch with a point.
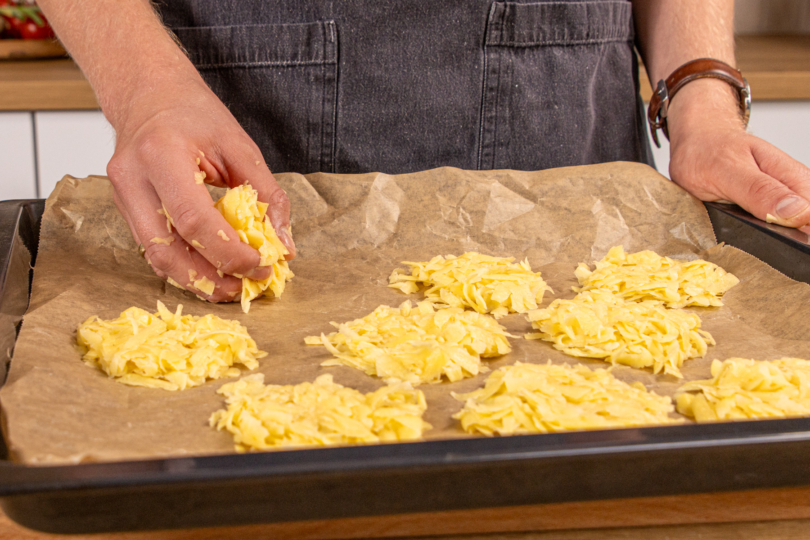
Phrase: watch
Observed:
(696, 69)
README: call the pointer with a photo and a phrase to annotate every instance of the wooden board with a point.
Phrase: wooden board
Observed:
(26, 49)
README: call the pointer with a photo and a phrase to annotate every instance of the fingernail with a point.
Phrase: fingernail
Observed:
(790, 206)
(260, 273)
(286, 239)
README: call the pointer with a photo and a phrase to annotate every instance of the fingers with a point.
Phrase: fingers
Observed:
(125, 214)
(168, 254)
(788, 205)
(198, 222)
(247, 166)
(742, 168)
(771, 200)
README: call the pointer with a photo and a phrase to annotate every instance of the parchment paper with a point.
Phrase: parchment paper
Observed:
(351, 232)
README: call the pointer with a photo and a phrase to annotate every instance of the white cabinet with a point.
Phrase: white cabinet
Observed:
(17, 162)
(78, 143)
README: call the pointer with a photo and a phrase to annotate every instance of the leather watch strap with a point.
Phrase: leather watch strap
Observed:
(696, 69)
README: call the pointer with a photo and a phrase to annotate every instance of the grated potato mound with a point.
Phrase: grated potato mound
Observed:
(486, 284)
(648, 276)
(320, 413)
(597, 324)
(417, 344)
(248, 216)
(742, 389)
(166, 350)
(532, 398)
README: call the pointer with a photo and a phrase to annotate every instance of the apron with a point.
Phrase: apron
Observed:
(354, 86)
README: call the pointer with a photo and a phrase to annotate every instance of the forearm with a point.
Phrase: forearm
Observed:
(124, 51)
(673, 33)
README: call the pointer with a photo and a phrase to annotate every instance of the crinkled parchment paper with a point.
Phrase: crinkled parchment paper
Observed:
(351, 232)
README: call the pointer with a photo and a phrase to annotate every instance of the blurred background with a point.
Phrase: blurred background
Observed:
(50, 124)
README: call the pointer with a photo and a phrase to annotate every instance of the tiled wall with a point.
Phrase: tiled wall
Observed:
(772, 16)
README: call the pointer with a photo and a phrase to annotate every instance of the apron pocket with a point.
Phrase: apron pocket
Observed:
(279, 81)
(560, 76)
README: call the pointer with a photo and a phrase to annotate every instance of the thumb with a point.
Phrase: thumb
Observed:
(790, 207)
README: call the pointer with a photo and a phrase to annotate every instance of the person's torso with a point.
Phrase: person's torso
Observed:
(359, 85)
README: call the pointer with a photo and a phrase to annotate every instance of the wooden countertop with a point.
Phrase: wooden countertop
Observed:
(777, 68)
(763, 515)
(44, 85)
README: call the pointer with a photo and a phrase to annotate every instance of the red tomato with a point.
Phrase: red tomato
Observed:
(25, 27)
(29, 30)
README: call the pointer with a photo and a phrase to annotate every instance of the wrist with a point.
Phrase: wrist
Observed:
(148, 91)
(705, 104)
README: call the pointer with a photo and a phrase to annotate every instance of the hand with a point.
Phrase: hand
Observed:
(715, 159)
(163, 146)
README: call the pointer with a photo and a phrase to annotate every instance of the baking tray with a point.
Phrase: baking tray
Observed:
(399, 478)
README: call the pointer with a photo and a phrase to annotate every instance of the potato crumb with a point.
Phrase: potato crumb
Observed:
(418, 344)
(199, 177)
(248, 217)
(771, 218)
(222, 235)
(197, 244)
(258, 162)
(166, 350)
(205, 285)
(192, 274)
(169, 222)
(742, 389)
(648, 276)
(165, 241)
(597, 324)
(174, 283)
(220, 274)
(202, 153)
(486, 284)
(321, 413)
(537, 398)
(197, 160)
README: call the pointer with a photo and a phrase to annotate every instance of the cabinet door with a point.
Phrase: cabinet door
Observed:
(17, 173)
(78, 143)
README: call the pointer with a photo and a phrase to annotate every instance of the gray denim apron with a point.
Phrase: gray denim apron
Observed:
(404, 85)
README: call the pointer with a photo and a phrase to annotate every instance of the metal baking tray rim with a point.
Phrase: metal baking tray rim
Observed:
(406, 477)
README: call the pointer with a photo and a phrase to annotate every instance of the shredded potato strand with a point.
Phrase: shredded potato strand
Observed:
(248, 216)
(741, 389)
(648, 276)
(532, 398)
(416, 344)
(597, 324)
(486, 284)
(167, 350)
(320, 413)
